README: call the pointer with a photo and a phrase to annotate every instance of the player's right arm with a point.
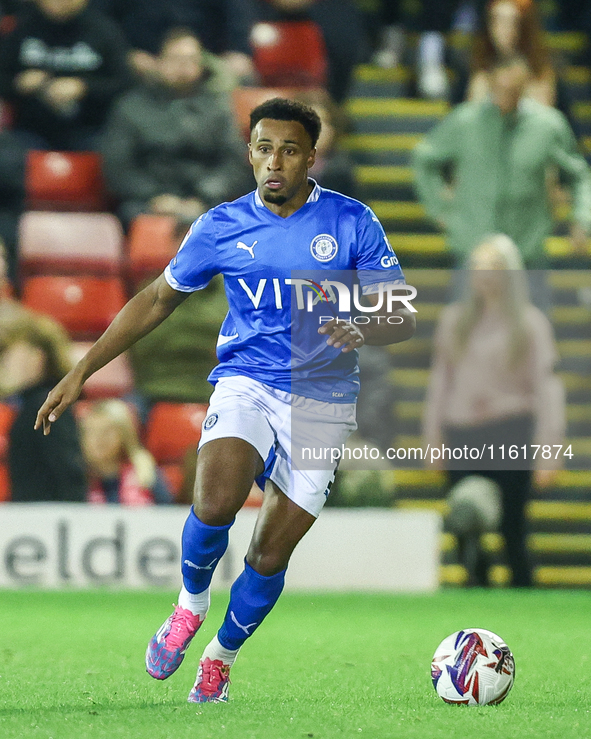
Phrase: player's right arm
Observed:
(138, 317)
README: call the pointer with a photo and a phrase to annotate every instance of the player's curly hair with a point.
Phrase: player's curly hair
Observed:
(282, 109)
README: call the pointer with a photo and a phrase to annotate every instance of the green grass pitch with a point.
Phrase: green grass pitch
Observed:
(323, 666)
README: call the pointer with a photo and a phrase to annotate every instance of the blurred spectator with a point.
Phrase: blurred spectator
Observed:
(435, 20)
(171, 145)
(499, 153)
(493, 383)
(34, 355)
(333, 168)
(222, 25)
(61, 67)
(173, 362)
(12, 199)
(120, 470)
(10, 308)
(342, 30)
(510, 28)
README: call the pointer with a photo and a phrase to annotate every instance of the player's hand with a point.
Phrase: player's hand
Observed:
(342, 334)
(61, 397)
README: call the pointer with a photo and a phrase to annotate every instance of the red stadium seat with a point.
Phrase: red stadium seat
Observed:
(244, 99)
(64, 180)
(172, 428)
(152, 244)
(70, 243)
(84, 305)
(173, 474)
(289, 54)
(4, 484)
(112, 381)
(7, 416)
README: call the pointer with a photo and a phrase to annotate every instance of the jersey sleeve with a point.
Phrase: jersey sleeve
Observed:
(376, 261)
(195, 262)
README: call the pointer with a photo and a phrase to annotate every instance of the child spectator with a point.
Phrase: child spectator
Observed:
(120, 469)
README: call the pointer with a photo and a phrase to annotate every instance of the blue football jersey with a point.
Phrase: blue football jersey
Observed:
(265, 259)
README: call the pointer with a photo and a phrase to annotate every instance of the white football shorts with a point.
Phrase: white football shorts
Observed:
(244, 408)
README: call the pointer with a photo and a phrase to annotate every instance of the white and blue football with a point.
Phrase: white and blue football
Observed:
(473, 667)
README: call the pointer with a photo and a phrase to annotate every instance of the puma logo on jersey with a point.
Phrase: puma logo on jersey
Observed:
(249, 249)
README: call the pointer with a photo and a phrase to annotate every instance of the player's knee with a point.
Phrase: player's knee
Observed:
(216, 503)
(266, 563)
(214, 512)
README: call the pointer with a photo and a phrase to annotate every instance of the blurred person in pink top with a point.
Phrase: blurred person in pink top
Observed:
(120, 470)
(493, 385)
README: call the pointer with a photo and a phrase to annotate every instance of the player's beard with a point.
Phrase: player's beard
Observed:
(275, 198)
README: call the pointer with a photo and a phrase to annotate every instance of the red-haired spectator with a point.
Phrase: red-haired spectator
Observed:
(512, 28)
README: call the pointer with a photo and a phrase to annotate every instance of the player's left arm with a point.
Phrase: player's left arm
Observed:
(383, 328)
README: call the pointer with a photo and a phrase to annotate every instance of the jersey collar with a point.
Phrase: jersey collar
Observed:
(312, 197)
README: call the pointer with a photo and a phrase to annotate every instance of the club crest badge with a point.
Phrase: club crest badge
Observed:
(324, 248)
(210, 421)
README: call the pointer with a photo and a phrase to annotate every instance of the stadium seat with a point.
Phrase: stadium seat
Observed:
(289, 54)
(7, 415)
(244, 99)
(172, 428)
(64, 180)
(4, 484)
(84, 305)
(112, 381)
(173, 474)
(70, 243)
(152, 243)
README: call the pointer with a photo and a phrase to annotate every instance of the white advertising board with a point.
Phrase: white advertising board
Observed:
(75, 545)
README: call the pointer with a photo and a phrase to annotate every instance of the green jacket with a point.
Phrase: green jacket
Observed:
(499, 166)
(173, 361)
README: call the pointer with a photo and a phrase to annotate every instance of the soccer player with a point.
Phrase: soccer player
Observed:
(287, 225)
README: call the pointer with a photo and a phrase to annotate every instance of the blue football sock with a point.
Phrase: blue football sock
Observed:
(251, 598)
(202, 548)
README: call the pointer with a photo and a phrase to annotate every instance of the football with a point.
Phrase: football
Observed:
(474, 667)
